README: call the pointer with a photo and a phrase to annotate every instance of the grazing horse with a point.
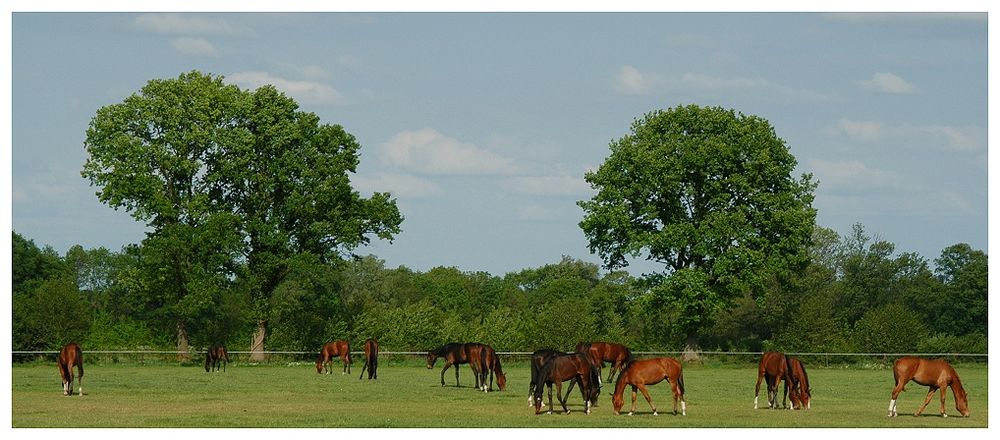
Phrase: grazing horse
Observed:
(490, 366)
(216, 355)
(935, 374)
(773, 366)
(799, 382)
(538, 358)
(644, 372)
(340, 348)
(69, 356)
(371, 359)
(599, 352)
(454, 353)
(565, 367)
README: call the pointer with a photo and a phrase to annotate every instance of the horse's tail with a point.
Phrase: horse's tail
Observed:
(629, 358)
(680, 381)
(79, 361)
(805, 377)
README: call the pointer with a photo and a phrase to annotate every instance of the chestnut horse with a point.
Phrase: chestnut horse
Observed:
(773, 366)
(799, 382)
(644, 372)
(340, 348)
(935, 374)
(456, 353)
(490, 366)
(69, 356)
(538, 358)
(599, 352)
(216, 355)
(565, 367)
(371, 359)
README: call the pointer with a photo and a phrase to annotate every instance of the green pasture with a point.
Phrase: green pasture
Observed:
(409, 395)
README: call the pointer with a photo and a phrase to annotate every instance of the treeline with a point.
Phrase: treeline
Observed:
(856, 295)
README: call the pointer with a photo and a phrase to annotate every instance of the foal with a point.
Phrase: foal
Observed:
(644, 372)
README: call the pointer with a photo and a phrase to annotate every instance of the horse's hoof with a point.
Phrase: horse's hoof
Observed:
(944, 415)
(630, 413)
(655, 413)
(549, 412)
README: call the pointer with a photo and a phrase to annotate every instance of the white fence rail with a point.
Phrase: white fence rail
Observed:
(528, 353)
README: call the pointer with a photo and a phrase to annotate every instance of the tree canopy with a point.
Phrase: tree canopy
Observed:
(233, 184)
(707, 192)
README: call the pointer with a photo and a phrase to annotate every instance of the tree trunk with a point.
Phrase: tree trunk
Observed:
(183, 351)
(257, 343)
(691, 349)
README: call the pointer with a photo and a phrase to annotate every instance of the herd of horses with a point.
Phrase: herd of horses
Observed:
(583, 368)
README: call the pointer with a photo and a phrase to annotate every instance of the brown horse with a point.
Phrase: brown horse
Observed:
(565, 367)
(799, 382)
(773, 366)
(69, 356)
(599, 352)
(490, 366)
(340, 348)
(456, 353)
(371, 359)
(216, 355)
(538, 359)
(644, 372)
(935, 374)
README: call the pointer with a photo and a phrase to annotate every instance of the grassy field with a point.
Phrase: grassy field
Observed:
(409, 395)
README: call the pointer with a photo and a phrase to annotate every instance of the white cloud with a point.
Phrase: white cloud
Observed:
(633, 82)
(851, 175)
(305, 92)
(888, 83)
(193, 46)
(861, 130)
(188, 24)
(630, 80)
(707, 82)
(399, 185)
(429, 152)
(936, 137)
(551, 185)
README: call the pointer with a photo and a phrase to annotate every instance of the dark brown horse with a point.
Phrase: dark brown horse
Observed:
(538, 358)
(69, 356)
(371, 359)
(935, 374)
(599, 352)
(330, 350)
(456, 353)
(799, 383)
(575, 366)
(216, 355)
(774, 367)
(490, 366)
(641, 373)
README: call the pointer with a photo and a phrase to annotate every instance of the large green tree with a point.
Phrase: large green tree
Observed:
(148, 156)
(233, 185)
(709, 193)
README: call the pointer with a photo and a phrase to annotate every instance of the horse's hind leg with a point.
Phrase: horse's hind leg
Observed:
(930, 395)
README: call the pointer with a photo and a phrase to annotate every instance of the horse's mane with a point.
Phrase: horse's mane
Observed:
(956, 383)
(806, 376)
(543, 376)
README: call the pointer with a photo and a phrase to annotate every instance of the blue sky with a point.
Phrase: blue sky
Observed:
(482, 125)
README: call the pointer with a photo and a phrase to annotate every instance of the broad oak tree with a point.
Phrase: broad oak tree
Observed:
(709, 193)
(231, 184)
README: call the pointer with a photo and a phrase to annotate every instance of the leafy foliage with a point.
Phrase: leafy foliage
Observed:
(709, 193)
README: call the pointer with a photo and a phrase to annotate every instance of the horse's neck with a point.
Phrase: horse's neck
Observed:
(956, 383)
